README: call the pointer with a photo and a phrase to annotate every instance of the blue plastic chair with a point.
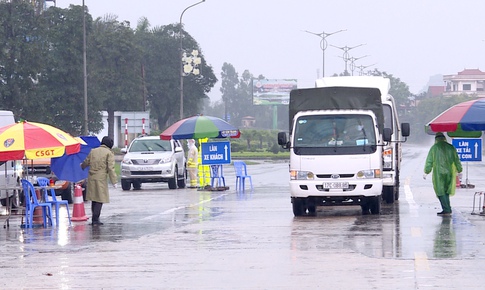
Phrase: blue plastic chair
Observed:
(52, 199)
(241, 175)
(217, 174)
(31, 203)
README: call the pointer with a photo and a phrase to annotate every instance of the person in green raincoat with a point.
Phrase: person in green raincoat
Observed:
(444, 162)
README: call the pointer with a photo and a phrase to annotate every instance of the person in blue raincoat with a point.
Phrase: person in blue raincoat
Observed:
(444, 162)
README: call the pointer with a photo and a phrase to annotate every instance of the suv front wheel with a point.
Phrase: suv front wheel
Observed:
(172, 182)
(125, 185)
(181, 179)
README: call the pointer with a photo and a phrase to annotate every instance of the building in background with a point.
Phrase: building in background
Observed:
(468, 81)
(127, 126)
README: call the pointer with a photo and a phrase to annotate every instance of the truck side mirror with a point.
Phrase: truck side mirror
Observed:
(405, 129)
(386, 134)
(283, 140)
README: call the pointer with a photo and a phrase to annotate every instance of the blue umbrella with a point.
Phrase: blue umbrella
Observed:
(67, 167)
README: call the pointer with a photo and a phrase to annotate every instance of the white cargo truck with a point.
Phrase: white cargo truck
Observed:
(344, 143)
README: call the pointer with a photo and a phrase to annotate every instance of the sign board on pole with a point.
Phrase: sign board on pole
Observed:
(273, 92)
(468, 149)
(216, 153)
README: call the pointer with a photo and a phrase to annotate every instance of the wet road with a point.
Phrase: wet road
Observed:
(157, 238)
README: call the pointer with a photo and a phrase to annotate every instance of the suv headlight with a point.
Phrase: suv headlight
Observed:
(127, 161)
(166, 160)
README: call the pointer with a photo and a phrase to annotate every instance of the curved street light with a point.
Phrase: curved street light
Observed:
(182, 62)
(323, 45)
(346, 54)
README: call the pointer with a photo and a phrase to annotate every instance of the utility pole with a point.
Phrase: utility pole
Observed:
(85, 74)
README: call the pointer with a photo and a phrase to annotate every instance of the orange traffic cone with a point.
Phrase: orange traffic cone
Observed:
(78, 213)
(458, 181)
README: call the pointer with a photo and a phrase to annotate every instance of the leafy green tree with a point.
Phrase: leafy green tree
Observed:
(114, 75)
(61, 81)
(428, 109)
(21, 51)
(229, 86)
(399, 90)
(161, 62)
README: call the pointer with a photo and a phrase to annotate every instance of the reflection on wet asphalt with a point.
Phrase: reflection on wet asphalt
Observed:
(165, 234)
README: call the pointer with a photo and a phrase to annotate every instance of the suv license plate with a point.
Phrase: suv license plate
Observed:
(337, 185)
(144, 168)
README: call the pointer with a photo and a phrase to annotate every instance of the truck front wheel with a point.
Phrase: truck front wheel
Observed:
(388, 193)
(374, 203)
(298, 206)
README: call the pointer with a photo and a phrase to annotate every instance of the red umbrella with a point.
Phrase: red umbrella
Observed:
(466, 116)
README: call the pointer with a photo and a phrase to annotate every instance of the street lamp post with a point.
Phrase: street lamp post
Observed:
(323, 45)
(182, 63)
(352, 62)
(346, 56)
(85, 74)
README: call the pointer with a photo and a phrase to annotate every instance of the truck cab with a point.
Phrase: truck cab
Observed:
(339, 144)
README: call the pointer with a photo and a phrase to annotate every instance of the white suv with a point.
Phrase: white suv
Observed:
(150, 159)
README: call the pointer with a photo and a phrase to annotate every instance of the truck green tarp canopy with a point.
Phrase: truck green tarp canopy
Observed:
(337, 98)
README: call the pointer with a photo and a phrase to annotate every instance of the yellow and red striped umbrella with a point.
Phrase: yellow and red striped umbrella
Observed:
(35, 140)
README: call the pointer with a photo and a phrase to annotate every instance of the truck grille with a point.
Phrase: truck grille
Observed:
(330, 175)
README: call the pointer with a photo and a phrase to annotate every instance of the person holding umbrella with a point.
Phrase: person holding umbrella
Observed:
(101, 162)
(444, 162)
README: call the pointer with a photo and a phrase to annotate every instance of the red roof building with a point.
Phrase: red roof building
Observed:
(468, 81)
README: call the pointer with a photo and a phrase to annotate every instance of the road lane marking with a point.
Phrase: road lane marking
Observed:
(420, 258)
(415, 232)
(413, 207)
(172, 210)
(421, 261)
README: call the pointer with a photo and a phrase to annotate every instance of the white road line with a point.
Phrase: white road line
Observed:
(172, 210)
(420, 258)
(413, 207)
(421, 261)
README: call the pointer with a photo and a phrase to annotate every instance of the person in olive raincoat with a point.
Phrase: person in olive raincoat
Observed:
(444, 162)
(101, 162)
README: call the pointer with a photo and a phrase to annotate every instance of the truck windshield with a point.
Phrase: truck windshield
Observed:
(327, 134)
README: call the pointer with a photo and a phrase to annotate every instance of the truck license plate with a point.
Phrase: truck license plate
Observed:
(336, 185)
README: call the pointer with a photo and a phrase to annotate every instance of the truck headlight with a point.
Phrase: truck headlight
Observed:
(301, 175)
(369, 173)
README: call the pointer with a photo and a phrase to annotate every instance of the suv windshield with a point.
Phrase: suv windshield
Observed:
(150, 145)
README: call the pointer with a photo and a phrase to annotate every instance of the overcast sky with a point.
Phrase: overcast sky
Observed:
(410, 39)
